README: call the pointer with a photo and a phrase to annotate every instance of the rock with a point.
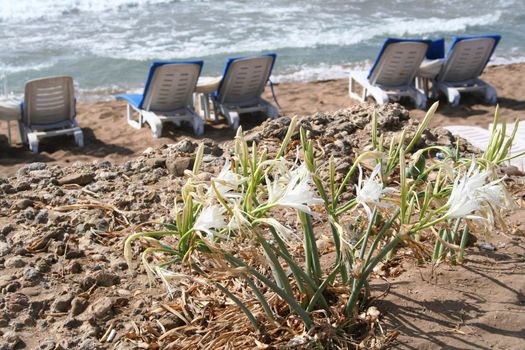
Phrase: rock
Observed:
(76, 267)
(89, 344)
(62, 303)
(22, 186)
(13, 287)
(41, 217)
(102, 307)
(32, 275)
(14, 263)
(7, 229)
(156, 162)
(35, 307)
(48, 345)
(106, 279)
(177, 165)
(12, 338)
(29, 213)
(78, 179)
(185, 146)
(24, 203)
(78, 305)
(4, 249)
(511, 170)
(72, 323)
(16, 302)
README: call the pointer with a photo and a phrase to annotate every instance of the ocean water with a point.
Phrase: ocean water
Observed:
(108, 45)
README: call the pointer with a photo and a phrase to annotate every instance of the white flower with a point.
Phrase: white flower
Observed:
(470, 193)
(210, 221)
(369, 193)
(293, 191)
(227, 181)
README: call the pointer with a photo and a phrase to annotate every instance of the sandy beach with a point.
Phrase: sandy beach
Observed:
(109, 137)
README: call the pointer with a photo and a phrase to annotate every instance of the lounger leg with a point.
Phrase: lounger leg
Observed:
(452, 94)
(352, 92)
(271, 110)
(156, 126)
(420, 100)
(198, 125)
(133, 123)
(379, 95)
(232, 117)
(79, 138)
(9, 133)
(491, 96)
(33, 142)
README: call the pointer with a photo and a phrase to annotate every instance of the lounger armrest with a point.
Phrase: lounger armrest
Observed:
(132, 99)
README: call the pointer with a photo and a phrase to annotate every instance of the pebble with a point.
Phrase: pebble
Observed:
(14, 263)
(102, 307)
(62, 303)
(78, 179)
(78, 305)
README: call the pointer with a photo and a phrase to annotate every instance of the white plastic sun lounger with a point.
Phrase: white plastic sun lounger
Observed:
(480, 138)
(241, 87)
(167, 97)
(49, 110)
(463, 65)
(392, 75)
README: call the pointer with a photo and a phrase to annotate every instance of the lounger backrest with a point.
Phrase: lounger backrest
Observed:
(467, 58)
(244, 79)
(49, 101)
(398, 62)
(170, 86)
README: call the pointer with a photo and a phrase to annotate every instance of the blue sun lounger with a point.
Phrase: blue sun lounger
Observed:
(167, 97)
(392, 75)
(464, 63)
(241, 87)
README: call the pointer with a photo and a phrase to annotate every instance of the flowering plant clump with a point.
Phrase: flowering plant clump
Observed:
(257, 223)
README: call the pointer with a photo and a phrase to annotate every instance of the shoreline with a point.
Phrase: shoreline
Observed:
(109, 137)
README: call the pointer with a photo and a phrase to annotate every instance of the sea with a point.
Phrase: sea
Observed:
(107, 46)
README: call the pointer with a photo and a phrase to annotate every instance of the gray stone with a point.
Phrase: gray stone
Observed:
(106, 279)
(78, 179)
(102, 307)
(47, 345)
(72, 323)
(14, 262)
(156, 162)
(184, 146)
(62, 303)
(32, 275)
(78, 305)
(177, 165)
(24, 203)
(16, 302)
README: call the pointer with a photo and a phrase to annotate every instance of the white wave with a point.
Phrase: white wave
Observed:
(306, 73)
(31, 9)
(207, 43)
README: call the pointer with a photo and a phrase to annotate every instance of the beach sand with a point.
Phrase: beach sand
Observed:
(108, 136)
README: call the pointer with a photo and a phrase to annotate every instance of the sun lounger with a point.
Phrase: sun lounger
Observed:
(241, 87)
(167, 97)
(392, 75)
(462, 67)
(480, 138)
(49, 110)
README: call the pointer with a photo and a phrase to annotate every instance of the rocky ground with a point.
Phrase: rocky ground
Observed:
(63, 281)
